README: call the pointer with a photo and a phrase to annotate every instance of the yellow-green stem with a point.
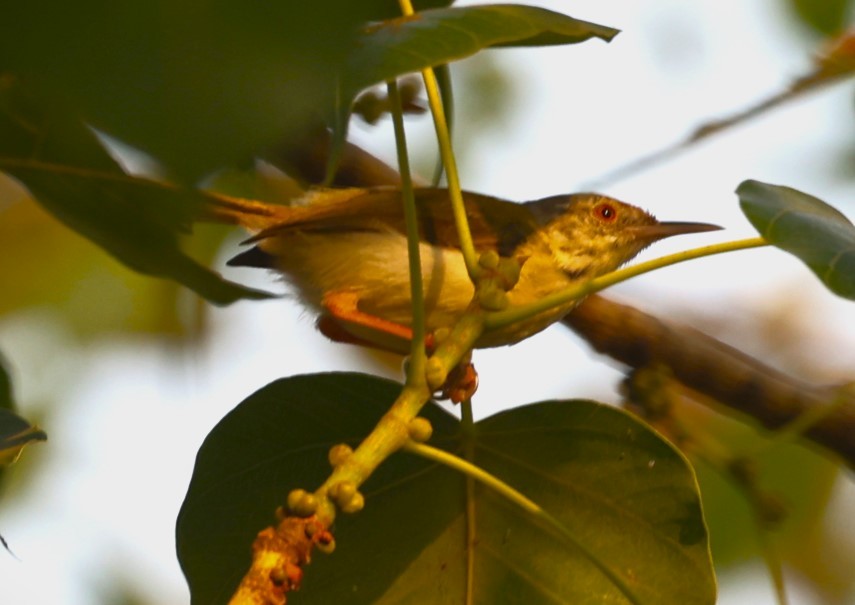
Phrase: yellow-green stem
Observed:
(500, 319)
(416, 371)
(392, 431)
(444, 140)
(467, 420)
(390, 434)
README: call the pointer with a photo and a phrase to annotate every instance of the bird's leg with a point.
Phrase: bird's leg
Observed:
(345, 323)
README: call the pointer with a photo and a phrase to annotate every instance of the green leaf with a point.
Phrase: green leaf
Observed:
(826, 17)
(6, 402)
(623, 493)
(72, 176)
(821, 236)
(197, 85)
(429, 38)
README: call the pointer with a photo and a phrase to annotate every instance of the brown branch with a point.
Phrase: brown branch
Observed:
(278, 557)
(719, 371)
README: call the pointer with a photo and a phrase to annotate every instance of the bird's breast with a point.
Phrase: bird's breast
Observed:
(375, 266)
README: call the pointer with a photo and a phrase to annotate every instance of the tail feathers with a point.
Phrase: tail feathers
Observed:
(254, 257)
(252, 215)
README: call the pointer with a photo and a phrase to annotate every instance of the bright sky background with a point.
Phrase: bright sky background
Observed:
(122, 446)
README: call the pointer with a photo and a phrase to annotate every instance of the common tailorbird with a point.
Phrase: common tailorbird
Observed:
(344, 251)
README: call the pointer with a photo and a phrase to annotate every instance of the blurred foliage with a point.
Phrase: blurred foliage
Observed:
(68, 171)
(198, 85)
(485, 109)
(6, 401)
(825, 17)
(15, 432)
(803, 480)
(788, 474)
(51, 266)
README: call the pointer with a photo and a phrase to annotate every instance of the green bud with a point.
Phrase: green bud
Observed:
(302, 503)
(420, 429)
(294, 498)
(489, 259)
(492, 298)
(355, 504)
(441, 334)
(435, 373)
(509, 272)
(339, 453)
(343, 492)
(307, 506)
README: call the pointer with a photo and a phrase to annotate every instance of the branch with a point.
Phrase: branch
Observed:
(719, 371)
(835, 64)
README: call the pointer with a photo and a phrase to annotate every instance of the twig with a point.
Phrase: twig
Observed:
(719, 371)
(835, 65)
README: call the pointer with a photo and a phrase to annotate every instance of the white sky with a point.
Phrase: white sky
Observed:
(107, 498)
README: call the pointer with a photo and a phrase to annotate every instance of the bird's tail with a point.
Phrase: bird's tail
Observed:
(250, 214)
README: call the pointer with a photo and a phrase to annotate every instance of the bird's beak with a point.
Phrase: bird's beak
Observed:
(659, 231)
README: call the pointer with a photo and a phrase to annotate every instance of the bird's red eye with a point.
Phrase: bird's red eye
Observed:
(605, 212)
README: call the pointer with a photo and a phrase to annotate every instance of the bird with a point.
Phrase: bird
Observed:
(344, 254)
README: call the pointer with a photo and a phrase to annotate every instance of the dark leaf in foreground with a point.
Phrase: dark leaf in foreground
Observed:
(69, 173)
(627, 498)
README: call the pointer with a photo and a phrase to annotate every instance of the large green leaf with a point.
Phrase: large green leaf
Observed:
(821, 236)
(69, 173)
(404, 45)
(622, 493)
(429, 38)
(198, 85)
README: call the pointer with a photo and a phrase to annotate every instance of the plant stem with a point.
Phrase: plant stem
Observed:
(392, 431)
(416, 371)
(390, 434)
(500, 319)
(444, 140)
(467, 421)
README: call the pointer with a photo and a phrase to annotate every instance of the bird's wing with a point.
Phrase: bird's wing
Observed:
(494, 223)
